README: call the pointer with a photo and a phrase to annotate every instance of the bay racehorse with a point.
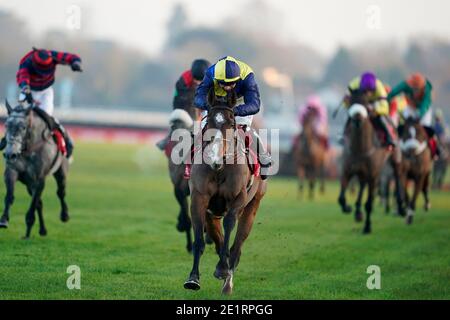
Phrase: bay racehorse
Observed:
(31, 154)
(222, 188)
(363, 157)
(310, 153)
(417, 163)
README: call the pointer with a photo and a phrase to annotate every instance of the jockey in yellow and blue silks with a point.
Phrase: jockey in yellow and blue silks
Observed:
(227, 75)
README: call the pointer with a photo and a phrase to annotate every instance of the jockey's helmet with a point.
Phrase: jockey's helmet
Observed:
(198, 68)
(368, 82)
(227, 71)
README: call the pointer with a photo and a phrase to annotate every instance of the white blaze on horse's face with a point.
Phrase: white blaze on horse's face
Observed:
(358, 109)
(412, 144)
(215, 155)
(219, 119)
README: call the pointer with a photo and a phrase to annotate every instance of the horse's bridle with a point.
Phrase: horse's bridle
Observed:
(25, 150)
(233, 126)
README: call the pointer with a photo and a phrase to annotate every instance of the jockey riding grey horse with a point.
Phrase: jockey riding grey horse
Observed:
(30, 155)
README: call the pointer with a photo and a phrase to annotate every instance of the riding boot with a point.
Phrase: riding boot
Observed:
(264, 157)
(433, 143)
(3, 143)
(384, 125)
(68, 140)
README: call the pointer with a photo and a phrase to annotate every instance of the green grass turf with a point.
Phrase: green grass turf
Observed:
(122, 235)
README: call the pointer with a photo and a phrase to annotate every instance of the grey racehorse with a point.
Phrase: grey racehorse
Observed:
(30, 156)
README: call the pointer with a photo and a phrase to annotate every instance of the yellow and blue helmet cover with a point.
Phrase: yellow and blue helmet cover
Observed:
(227, 70)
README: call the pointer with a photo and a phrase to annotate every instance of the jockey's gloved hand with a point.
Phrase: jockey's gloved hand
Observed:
(26, 95)
(76, 66)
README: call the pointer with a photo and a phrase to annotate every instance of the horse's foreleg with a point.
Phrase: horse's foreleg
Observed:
(199, 204)
(40, 209)
(418, 186)
(369, 207)
(30, 218)
(214, 230)
(342, 201)
(301, 177)
(312, 184)
(229, 221)
(322, 179)
(10, 178)
(184, 221)
(400, 188)
(60, 177)
(425, 190)
(358, 212)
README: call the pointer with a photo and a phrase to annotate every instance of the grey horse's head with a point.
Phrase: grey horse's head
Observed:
(17, 125)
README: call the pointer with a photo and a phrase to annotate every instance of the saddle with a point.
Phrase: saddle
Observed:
(57, 135)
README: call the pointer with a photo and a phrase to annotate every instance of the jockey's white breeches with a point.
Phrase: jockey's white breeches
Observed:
(43, 98)
(426, 120)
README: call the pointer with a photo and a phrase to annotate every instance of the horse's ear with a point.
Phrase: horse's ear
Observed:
(211, 97)
(232, 99)
(8, 106)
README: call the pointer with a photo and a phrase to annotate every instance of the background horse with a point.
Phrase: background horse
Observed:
(363, 157)
(440, 166)
(32, 154)
(310, 155)
(416, 164)
(222, 190)
(181, 119)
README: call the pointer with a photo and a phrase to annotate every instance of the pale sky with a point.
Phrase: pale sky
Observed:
(322, 24)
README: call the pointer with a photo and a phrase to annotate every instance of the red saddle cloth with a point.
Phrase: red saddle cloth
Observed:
(60, 142)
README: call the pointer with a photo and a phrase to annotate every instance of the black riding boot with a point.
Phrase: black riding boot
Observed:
(54, 124)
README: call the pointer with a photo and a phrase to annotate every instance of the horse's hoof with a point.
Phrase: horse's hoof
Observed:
(347, 209)
(221, 274)
(3, 224)
(427, 206)
(367, 231)
(192, 284)
(358, 217)
(43, 232)
(64, 218)
(208, 239)
(227, 288)
(409, 220)
(189, 248)
(25, 238)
